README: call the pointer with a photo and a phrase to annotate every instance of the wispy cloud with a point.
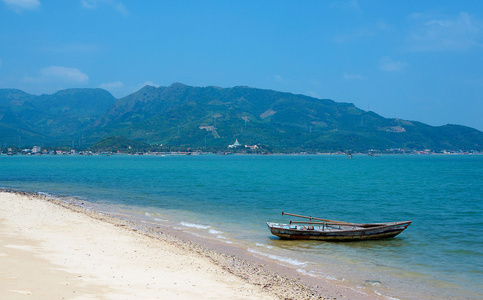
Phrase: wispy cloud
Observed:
(60, 74)
(389, 65)
(116, 5)
(315, 83)
(20, 5)
(278, 78)
(111, 85)
(150, 83)
(364, 32)
(353, 76)
(445, 33)
(91, 4)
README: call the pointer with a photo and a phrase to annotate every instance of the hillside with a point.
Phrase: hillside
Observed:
(186, 116)
(211, 118)
(50, 119)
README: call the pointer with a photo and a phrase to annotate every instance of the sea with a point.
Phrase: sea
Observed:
(229, 199)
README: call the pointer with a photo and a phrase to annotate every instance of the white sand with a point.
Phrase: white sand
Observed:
(50, 249)
(50, 252)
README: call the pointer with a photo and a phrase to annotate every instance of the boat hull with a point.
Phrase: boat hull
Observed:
(338, 233)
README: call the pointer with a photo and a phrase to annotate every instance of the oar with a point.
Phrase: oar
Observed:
(372, 225)
(325, 223)
(312, 218)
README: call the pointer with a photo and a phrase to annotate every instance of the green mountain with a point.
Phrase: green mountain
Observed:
(212, 117)
(181, 117)
(50, 119)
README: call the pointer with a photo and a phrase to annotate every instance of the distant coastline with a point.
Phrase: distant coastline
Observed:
(182, 118)
(29, 152)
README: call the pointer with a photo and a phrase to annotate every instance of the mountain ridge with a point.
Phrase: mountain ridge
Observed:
(211, 118)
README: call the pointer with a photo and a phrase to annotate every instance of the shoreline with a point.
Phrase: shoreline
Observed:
(249, 154)
(261, 280)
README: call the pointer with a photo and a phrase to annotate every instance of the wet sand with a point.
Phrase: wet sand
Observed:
(50, 249)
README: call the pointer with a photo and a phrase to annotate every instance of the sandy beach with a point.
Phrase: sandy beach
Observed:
(50, 249)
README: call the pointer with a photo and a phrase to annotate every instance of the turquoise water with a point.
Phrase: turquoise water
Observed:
(230, 198)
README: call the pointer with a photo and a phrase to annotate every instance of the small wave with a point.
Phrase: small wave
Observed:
(387, 297)
(264, 245)
(224, 240)
(49, 196)
(372, 282)
(306, 273)
(195, 234)
(147, 214)
(219, 236)
(194, 225)
(280, 258)
(212, 231)
(317, 274)
(334, 278)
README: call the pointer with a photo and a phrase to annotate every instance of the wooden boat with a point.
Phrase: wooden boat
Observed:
(330, 230)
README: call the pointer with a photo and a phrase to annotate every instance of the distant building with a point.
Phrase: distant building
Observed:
(252, 147)
(236, 144)
(36, 149)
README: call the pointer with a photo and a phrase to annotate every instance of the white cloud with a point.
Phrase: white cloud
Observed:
(90, 4)
(121, 8)
(445, 33)
(150, 83)
(111, 85)
(20, 5)
(64, 74)
(388, 65)
(116, 5)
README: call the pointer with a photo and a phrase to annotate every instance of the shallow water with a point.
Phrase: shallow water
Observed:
(229, 198)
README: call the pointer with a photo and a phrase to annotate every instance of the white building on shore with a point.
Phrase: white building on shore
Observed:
(235, 145)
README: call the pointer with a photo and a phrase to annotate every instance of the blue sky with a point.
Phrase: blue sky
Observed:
(415, 60)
